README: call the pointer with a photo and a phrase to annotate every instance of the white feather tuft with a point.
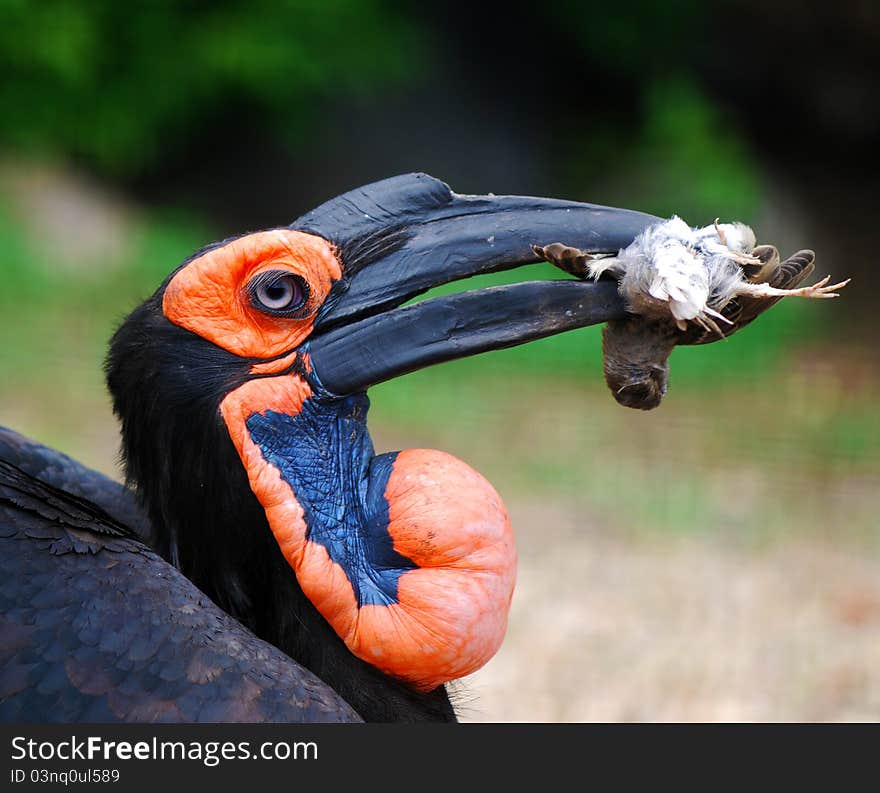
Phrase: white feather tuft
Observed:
(672, 270)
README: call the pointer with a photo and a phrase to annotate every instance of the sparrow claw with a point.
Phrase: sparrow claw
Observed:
(747, 260)
(708, 324)
(717, 315)
(818, 291)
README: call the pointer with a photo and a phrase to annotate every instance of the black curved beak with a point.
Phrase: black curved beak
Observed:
(403, 236)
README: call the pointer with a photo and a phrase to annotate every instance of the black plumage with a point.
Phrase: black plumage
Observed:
(64, 473)
(97, 627)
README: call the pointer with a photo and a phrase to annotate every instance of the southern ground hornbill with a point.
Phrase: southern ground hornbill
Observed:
(263, 563)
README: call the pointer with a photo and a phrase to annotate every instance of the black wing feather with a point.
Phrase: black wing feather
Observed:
(64, 473)
(94, 626)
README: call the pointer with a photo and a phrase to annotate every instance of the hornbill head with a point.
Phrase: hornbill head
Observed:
(241, 389)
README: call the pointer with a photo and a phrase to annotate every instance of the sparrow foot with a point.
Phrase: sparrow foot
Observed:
(819, 290)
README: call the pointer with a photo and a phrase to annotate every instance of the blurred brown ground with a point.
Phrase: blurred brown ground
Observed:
(678, 567)
(612, 628)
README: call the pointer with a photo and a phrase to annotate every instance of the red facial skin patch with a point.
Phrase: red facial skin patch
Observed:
(451, 611)
(209, 297)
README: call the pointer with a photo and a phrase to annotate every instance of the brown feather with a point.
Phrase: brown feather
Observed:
(572, 260)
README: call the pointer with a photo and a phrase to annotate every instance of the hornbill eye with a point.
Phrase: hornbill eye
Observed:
(279, 292)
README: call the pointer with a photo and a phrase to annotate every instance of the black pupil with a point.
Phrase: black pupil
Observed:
(277, 291)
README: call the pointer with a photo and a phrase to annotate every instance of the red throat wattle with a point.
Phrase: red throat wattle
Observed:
(451, 611)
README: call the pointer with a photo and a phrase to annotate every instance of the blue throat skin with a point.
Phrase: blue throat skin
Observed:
(326, 457)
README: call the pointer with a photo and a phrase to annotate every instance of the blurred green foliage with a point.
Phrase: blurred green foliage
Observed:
(635, 37)
(57, 316)
(689, 159)
(118, 84)
(119, 87)
(685, 156)
(116, 87)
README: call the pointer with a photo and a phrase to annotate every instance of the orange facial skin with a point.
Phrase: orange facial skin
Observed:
(208, 296)
(277, 365)
(448, 615)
